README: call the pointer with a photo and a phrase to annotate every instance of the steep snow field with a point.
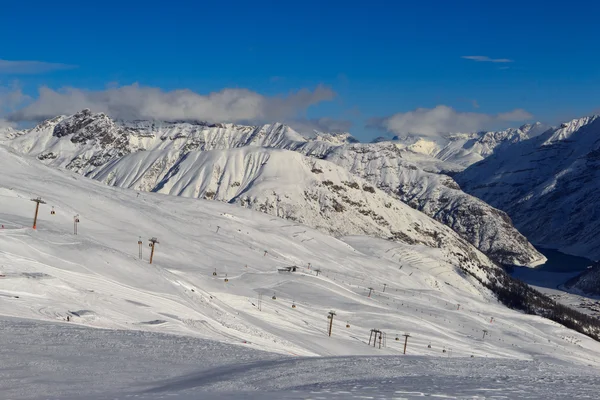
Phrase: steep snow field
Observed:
(97, 280)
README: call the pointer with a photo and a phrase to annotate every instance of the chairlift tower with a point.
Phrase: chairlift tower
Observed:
(406, 336)
(75, 222)
(140, 246)
(375, 335)
(330, 318)
(153, 242)
(38, 201)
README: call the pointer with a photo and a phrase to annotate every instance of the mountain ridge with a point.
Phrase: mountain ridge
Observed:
(93, 145)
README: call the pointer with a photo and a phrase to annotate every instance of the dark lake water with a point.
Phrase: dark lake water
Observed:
(561, 262)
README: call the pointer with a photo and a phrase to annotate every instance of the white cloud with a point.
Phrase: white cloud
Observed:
(514, 116)
(487, 59)
(31, 67)
(12, 97)
(443, 119)
(141, 102)
(6, 124)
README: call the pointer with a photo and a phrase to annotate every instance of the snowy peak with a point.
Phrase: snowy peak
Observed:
(466, 149)
(535, 129)
(424, 146)
(335, 138)
(578, 126)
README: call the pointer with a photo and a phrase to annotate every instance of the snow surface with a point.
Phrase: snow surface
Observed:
(96, 279)
(61, 361)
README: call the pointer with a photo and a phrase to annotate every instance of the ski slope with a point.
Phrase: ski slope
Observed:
(97, 279)
(68, 362)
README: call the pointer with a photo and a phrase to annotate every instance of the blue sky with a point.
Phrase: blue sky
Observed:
(366, 66)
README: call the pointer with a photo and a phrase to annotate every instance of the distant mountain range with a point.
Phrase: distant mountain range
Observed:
(328, 181)
(460, 150)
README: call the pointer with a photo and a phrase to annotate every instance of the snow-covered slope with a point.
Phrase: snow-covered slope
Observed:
(489, 229)
(285, 184)
(153, 156)
(549, 185)
(97, 280)
(92, 364)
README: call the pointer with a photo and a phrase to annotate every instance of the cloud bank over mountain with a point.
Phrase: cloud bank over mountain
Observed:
(431, 122)
(143, 102)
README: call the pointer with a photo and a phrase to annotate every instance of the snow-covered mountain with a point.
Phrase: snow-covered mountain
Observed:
(198, 160)
(440, 197)
(464, 149)
(549, 185)
(286, 184)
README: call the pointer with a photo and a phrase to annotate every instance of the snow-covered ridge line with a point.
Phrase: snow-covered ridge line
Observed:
(144, 155)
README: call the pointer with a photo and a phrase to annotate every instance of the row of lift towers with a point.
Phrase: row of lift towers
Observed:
(38, 200)
(377, 337)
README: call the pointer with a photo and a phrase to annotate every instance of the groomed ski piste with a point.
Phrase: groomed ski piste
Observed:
(173, 329)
